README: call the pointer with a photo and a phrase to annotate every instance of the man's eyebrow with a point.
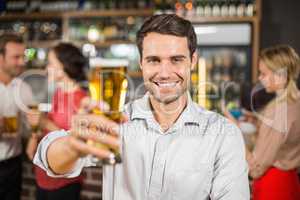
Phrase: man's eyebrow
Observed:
(157, 57)
(178, 56)
(151, 57)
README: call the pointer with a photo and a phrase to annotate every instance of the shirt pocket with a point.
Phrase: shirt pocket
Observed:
(192, 184)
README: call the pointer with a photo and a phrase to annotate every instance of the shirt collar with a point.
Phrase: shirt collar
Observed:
(14, 82)
(193, 114)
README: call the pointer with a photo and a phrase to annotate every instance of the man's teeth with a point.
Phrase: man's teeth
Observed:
(173, 84)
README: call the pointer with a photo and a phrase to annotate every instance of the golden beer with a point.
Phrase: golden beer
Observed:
(10, 125)
(108, 84)
(34, 108)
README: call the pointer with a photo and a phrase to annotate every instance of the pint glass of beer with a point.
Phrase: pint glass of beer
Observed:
(10, 125)
(108, 83)
(34, 108)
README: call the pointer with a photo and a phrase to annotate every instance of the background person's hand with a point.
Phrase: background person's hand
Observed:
(33, 117)
(32, 146)
(1, 126)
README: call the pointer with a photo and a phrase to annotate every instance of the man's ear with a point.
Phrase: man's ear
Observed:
(194, 60)
(140, 64)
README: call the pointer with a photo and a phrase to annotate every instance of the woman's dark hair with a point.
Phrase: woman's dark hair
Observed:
(168, 24)
(74, 63)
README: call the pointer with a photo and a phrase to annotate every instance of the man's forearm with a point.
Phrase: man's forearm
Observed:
(61, 157)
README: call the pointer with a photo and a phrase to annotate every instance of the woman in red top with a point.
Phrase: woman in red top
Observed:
(66, 69)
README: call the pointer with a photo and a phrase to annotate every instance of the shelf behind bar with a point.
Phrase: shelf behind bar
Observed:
(31, 16)
(42, 44)
(75, 14)
(198, 19)
(109, 13)
(102, 44)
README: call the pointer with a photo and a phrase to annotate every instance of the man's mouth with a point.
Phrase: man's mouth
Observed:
(168, 84)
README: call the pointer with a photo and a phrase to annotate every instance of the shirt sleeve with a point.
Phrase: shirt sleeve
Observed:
(275, 125)
(40, 158)
(230, 180)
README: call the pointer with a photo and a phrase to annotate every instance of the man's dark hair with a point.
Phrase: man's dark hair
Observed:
(9, 37)
(74, 63)
(168, 24)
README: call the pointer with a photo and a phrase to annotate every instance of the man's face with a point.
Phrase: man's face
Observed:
(12, 61)
(166, 66)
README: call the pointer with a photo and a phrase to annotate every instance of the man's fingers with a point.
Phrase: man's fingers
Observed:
(82, 147)
(87, 105)
(83, 123)
(100, 137)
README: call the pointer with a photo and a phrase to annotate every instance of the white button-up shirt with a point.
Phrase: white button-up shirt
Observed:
(13, 99)
(200, 157)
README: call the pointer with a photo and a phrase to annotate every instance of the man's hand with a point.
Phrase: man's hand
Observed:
(89, 134)
(94, 134)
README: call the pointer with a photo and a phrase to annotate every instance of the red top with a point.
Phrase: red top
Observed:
(64, 105)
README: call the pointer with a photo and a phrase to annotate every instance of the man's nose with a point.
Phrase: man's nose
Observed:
(21, 61)
(165, 69)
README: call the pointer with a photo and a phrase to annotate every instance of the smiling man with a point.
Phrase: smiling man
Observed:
(14, 92)
(172, 149)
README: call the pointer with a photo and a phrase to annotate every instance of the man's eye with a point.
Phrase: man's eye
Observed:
(153, 61)
(177, 60)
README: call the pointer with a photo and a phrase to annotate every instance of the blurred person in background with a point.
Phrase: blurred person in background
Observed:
(66, 68)
(276, 156)
(14, 93)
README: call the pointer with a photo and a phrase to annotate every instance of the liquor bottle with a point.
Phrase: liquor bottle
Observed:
(250, 8)
(190, 9)
(194, 85)
(232, 8)
(200, 8)
(16, 6)
(240, 11)
(179, 8)
(207, 9)
(216, 9)
(158, 6)
(224, 8)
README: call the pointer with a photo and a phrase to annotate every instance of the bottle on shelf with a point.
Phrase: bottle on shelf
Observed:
(16, 6)
(224, 8)
(179, 8)
(190, 8)
(240, 11)
(232, 8)
(200, 4)
(216, 8)
(207, 9)
(250, 8)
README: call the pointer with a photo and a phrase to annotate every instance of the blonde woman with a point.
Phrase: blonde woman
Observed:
(276, 155)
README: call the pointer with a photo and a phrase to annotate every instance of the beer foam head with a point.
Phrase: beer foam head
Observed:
(103, 62)
(44, 107)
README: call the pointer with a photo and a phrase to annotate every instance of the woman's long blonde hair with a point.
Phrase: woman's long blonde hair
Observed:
(283, 58)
